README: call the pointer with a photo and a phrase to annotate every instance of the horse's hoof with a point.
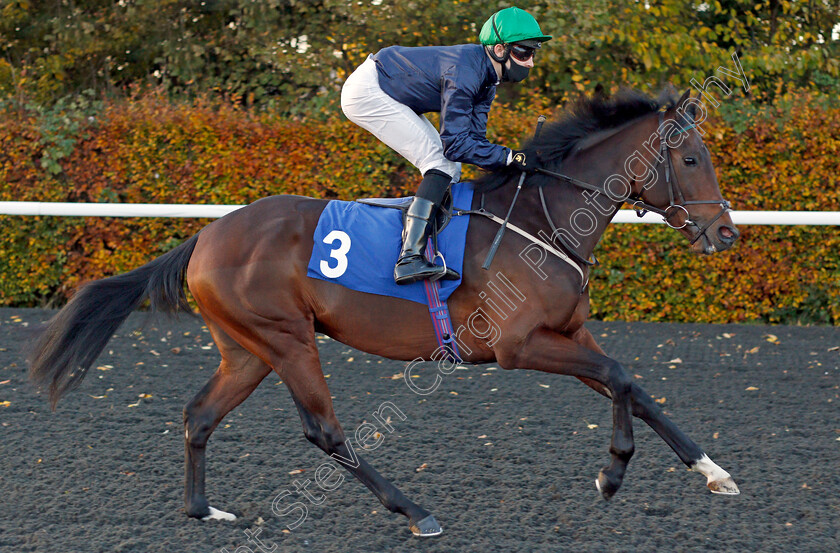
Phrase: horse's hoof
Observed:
(606, 488)
(216, 514)
(426, 528)
(718, 480)
(725, 486)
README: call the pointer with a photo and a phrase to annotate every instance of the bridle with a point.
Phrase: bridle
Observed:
(676, 197)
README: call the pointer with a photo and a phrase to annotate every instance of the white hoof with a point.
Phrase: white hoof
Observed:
(216, 514)
(727, 486)
(717, 480)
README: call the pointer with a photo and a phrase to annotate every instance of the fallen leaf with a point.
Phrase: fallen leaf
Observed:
(754, 350)
(591, 426)
(176, 351)
(454, 393)
(716, 435)
(637, 376)
(296, 471)
(751, 389)
(835, 348)
(772, 338)
(422, 467)
(544, 386)
(349, 359)
(483, 436)
(5, 403)
(5, 382)
(660, 401)
(727, 335)
(104, 367)
(677, 360)
(397, 376)
(99, 397)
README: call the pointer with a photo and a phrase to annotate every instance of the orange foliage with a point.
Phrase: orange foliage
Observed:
(152, 151)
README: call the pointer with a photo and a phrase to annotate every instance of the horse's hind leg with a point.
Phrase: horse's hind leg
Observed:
(718, 480)
(300, 369)
(237, 376)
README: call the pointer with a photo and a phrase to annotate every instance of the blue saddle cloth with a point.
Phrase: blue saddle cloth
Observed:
(357, 245)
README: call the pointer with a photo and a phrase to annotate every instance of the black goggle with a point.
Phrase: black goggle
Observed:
(522, 53)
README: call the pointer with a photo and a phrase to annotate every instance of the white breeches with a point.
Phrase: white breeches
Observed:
(411, 135)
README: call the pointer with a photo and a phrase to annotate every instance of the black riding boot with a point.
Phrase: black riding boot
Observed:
(412, 264)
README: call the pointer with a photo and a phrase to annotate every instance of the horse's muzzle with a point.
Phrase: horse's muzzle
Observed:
(714, 240)
(727, 235)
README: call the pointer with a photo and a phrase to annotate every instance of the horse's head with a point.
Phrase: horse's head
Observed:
(684, 189)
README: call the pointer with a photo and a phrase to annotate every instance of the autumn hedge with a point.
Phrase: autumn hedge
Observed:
(778, 157)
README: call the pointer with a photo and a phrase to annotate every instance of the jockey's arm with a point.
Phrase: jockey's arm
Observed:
(463, 126)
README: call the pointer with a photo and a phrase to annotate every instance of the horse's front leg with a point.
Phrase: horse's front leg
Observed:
(718, 480)
(548, 351)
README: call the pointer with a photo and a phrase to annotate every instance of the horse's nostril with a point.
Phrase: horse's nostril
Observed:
(728, 234)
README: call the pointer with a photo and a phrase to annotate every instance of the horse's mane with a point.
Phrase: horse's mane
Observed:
(581, 120)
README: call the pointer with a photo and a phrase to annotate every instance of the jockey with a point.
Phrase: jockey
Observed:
(389, 93)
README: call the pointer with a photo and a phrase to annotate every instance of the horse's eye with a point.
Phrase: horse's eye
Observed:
(690, 161)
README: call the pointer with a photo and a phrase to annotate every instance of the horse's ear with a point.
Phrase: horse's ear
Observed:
(686, 106)
(683, 99)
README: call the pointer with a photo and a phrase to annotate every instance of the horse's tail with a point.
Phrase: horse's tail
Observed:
(75, 337)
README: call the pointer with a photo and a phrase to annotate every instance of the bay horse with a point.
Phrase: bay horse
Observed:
(247, 273)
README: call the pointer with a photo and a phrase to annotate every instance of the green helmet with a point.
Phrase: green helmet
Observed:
(511, 25)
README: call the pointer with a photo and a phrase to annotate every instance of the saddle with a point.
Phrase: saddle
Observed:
(442, 217)
(356, 244)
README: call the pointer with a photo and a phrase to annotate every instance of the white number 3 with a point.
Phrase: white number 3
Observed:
(339, 254)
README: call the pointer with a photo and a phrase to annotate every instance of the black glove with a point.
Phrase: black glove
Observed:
(525, 160)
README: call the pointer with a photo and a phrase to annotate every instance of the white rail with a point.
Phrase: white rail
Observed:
(115, 210)
(214, 211)
(750, 217)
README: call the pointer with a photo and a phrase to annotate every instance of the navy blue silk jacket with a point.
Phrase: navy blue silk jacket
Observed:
(457, 81)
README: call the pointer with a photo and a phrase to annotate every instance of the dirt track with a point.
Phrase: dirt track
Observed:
(506, 461)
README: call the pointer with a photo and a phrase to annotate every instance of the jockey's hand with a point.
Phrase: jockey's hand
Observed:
(525, 160)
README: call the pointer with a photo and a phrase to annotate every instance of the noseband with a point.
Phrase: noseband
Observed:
(676, 198)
